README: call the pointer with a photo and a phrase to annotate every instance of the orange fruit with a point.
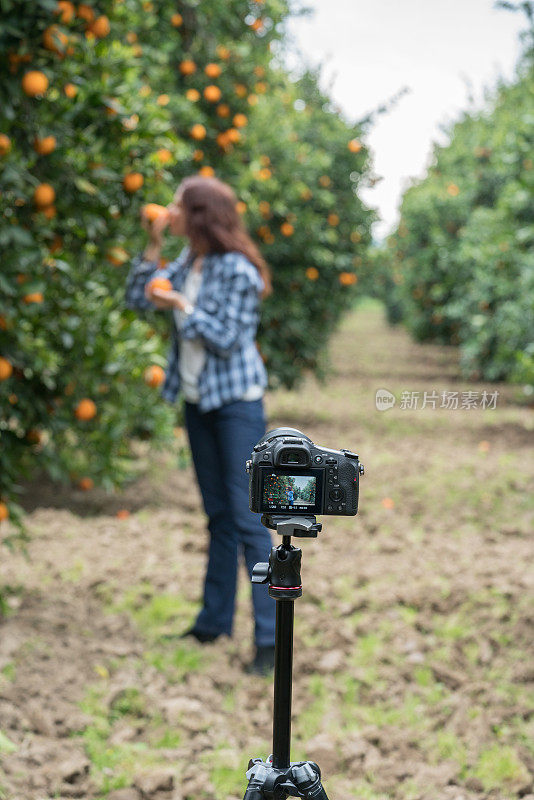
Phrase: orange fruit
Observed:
(177, 20)
(312, 273)
(333, 220)
(287, 229)
(45, 146)
(354, 146)
(240, 90)
(4, 513)
(86, 484)
(55, 40)
(388, 502)
(3, 323)
(100, 27)
(453, 190)
(70, 90)
(160, 283)
(85, 410)
(117, 256)
(212, 70)
(152, 211)
(154, 376)
(34, 83)
(193, 95)
(198, 155)
(198, 132)
(49, 212)
(206, 172)
(66, 9)
(187, 67)
(212, 93)
(164, 155)
(85, 12)
(44, 195)
(348, 278)
(123, 513)
(233, 135)
(240, 120)
(223, 110)
(33, 297)
(5, 144)
(325, 181)
(240, 207)
(163, 100)
(132, 182)
(56, 245)
(223, 52)
(6, 369)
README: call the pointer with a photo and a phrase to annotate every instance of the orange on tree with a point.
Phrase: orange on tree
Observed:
(198, 155)
(223, 110)
(198, 131)
(333, 220)
(152, 211)
(163, 100)
(44, 146)
(164, 155)
(66, 10)
(240, 120)
(34, 83)
(240, 90)
(44, 195)
(86, 484)
(85, 410)
(5, 144)
(177, 20)
(233, 135)
(117, 256)
(348, 278)
(55, 40)
(154, 375)
(6, 369)
(212, 93)
(206, 172)
(287, 229)
(33, 297)
(354, 146)
(187, 67)
(85, 12)
(223, 52)
(241, 207)
(312, 273)
(4, 513)
(193, 95)
(100, 27)
(132, 182)
(212, 70)
(49, 212)
(163, 284)
(70, 90)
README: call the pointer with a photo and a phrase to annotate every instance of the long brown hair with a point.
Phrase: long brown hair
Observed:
(213, 224)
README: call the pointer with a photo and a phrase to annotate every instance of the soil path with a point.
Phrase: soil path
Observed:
(413, 638)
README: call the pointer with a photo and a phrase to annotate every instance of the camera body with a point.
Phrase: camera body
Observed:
(289, 474)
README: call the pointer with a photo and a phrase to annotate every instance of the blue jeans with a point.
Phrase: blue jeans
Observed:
(221, 441)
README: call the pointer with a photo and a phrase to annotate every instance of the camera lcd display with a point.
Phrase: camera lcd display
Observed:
(282, 490)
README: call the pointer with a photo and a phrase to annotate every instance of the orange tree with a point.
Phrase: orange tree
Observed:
(459, 265)
(106, 106)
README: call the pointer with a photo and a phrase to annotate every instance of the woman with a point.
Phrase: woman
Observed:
(217, 282)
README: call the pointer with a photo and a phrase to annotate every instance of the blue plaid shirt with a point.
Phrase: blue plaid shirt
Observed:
(225, 318)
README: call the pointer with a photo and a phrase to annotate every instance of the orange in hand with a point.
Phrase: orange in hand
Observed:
(160, 283)
(152, 211)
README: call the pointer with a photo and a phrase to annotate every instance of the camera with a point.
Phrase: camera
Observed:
(290, 474)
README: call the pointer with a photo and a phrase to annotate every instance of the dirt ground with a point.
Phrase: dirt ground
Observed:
(413, 674)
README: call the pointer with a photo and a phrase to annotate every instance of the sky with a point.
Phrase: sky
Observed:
(442, 51)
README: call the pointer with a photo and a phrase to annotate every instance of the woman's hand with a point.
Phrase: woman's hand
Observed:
(166, 299)
(155, 230)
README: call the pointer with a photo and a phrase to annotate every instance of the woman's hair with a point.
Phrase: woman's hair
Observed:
(213, 224)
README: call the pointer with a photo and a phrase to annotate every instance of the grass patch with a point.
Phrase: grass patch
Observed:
(501, 768)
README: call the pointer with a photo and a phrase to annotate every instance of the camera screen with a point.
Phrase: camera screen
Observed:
(283, 491)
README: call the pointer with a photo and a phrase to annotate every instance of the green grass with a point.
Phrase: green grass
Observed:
(500, 768)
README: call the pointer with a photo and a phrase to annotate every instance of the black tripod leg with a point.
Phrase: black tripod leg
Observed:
(258, 775)
(307, 779)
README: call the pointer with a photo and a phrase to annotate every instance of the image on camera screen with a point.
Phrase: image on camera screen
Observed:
(285, 492)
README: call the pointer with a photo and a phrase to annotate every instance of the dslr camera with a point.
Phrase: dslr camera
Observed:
(289, 474)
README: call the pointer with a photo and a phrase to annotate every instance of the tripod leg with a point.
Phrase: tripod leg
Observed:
(258, 773)
(307, 779)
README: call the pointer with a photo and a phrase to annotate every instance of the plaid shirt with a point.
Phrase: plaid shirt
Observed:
(225, 318)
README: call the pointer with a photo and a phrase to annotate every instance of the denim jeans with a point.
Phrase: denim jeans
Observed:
(221, 441)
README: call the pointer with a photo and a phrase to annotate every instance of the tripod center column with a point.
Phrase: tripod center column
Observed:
(283, 675)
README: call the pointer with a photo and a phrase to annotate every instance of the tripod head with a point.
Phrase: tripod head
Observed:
(288, 525)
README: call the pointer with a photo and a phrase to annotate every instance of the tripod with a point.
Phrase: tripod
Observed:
(277, 778)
